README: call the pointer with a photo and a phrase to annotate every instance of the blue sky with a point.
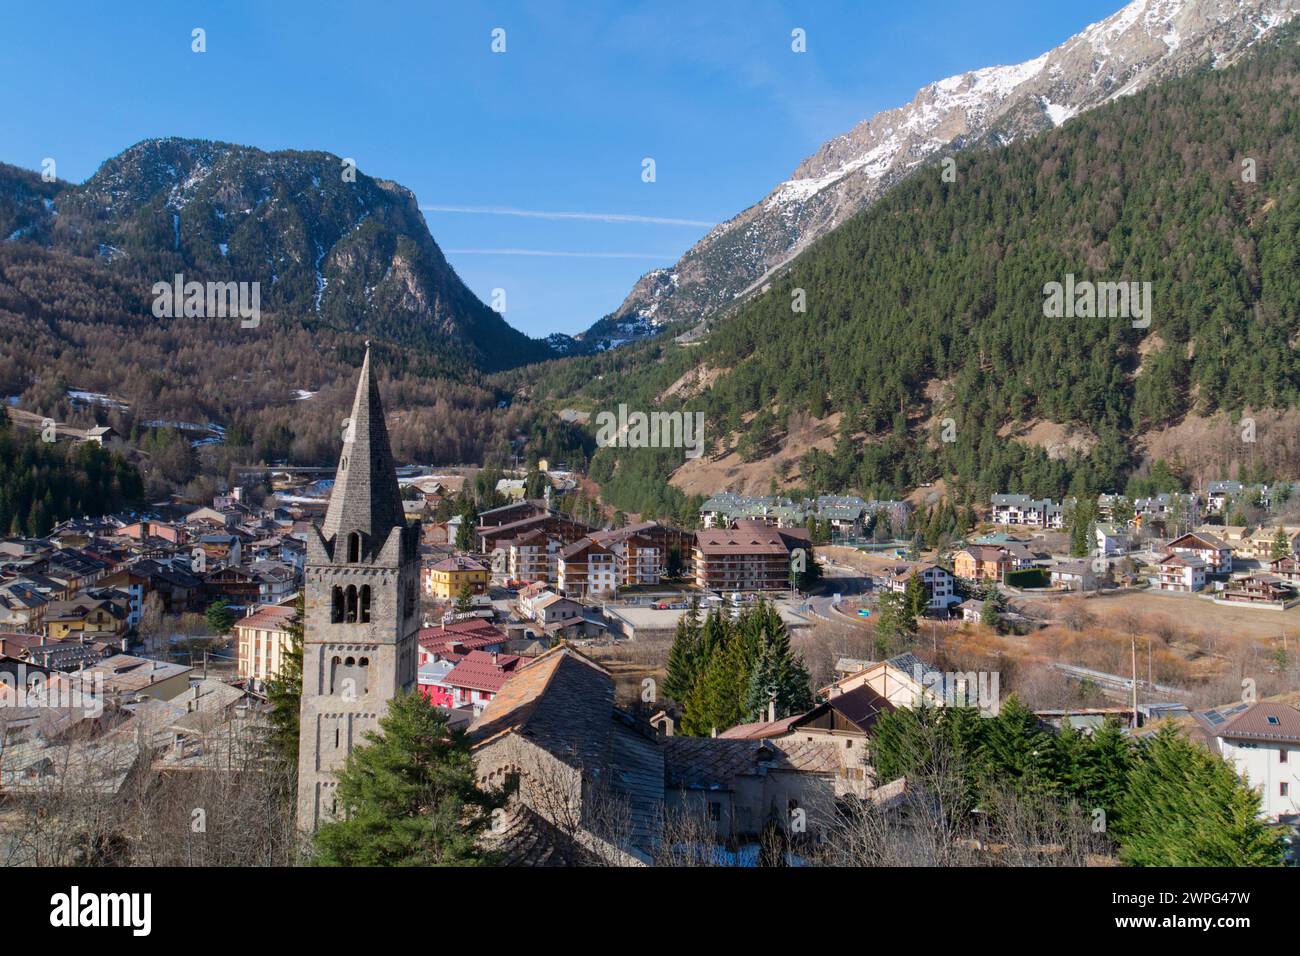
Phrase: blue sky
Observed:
(558, 123)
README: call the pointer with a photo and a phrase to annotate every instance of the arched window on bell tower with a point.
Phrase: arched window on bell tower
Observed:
(336, 606)
(351, 616)
(365, 604)
(354, 547)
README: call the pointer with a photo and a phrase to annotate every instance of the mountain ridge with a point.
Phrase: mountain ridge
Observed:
(1142, 43)
(328, 243)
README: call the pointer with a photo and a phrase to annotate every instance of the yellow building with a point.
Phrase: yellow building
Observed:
(446, 578)
(262, 638)
(82, 616)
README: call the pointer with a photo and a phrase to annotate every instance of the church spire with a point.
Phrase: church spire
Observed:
(365, 496)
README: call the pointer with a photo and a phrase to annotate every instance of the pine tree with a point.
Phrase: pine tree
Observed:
(1281, 547)
(1185, 806)
(219, 617)
(685, 656)
(408, 796)
(777, 675)
(284, 694)
(465, 599)
(717, 701)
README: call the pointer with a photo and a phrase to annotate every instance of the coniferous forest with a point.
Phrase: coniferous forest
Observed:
(930, 306)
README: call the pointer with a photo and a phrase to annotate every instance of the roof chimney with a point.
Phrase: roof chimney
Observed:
(494, 658)
(771, 711)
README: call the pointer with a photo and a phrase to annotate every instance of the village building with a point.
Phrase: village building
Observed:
(1216, 554)
(261, 639)
(1180, 572)
(1262, 740)
(748, 557)
(447, 578)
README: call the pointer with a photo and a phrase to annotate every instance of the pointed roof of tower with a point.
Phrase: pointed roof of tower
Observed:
(365, 496)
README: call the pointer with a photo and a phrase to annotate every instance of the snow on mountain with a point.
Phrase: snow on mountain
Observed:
(1146, 41)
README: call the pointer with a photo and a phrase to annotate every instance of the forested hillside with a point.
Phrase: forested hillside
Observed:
(43, 483)
(930, 305)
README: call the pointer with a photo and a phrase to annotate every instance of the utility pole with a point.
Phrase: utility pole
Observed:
(1134, 646)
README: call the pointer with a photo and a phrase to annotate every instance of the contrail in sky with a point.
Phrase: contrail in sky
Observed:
(586, 216)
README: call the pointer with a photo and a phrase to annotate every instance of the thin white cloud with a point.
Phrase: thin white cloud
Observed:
(661, 256)
(585, 216)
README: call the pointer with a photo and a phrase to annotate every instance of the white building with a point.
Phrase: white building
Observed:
(1262, 740)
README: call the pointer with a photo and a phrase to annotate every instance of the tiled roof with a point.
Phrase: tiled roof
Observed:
(272, 617)
(1264, 722)
(480, 670)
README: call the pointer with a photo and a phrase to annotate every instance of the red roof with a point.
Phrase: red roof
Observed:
(473, 633)
(479, 670)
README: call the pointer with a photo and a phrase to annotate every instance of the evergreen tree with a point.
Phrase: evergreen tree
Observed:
(465, 599)
(717, 701)
(1281, 546)
(408, 796)
(895, 624)
(1185, 806)
(777, 676)
(219, 617)
(284, 694)
(685, 655)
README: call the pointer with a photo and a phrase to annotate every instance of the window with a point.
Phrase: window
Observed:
(365, 604)
(1284, 789)
(354, 547)
(715, 810)
(1281, 755)
(351, 615)
(336, 608)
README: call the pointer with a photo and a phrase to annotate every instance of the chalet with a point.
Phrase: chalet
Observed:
(1260, 589)
(1219, 493)
(1215, 552)
(232, 585)
(533, 555)
(84, 616)
(554, 524)
(1260, 544)
(1286, 569)
(22, 607)
(1168, 507)
(1025, 510)
(587, 569)
(1180, 572)
(899, 680)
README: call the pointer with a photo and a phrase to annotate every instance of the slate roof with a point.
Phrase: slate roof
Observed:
(714, 763)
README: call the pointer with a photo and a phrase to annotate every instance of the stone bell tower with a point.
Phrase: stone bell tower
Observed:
(362, 604)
